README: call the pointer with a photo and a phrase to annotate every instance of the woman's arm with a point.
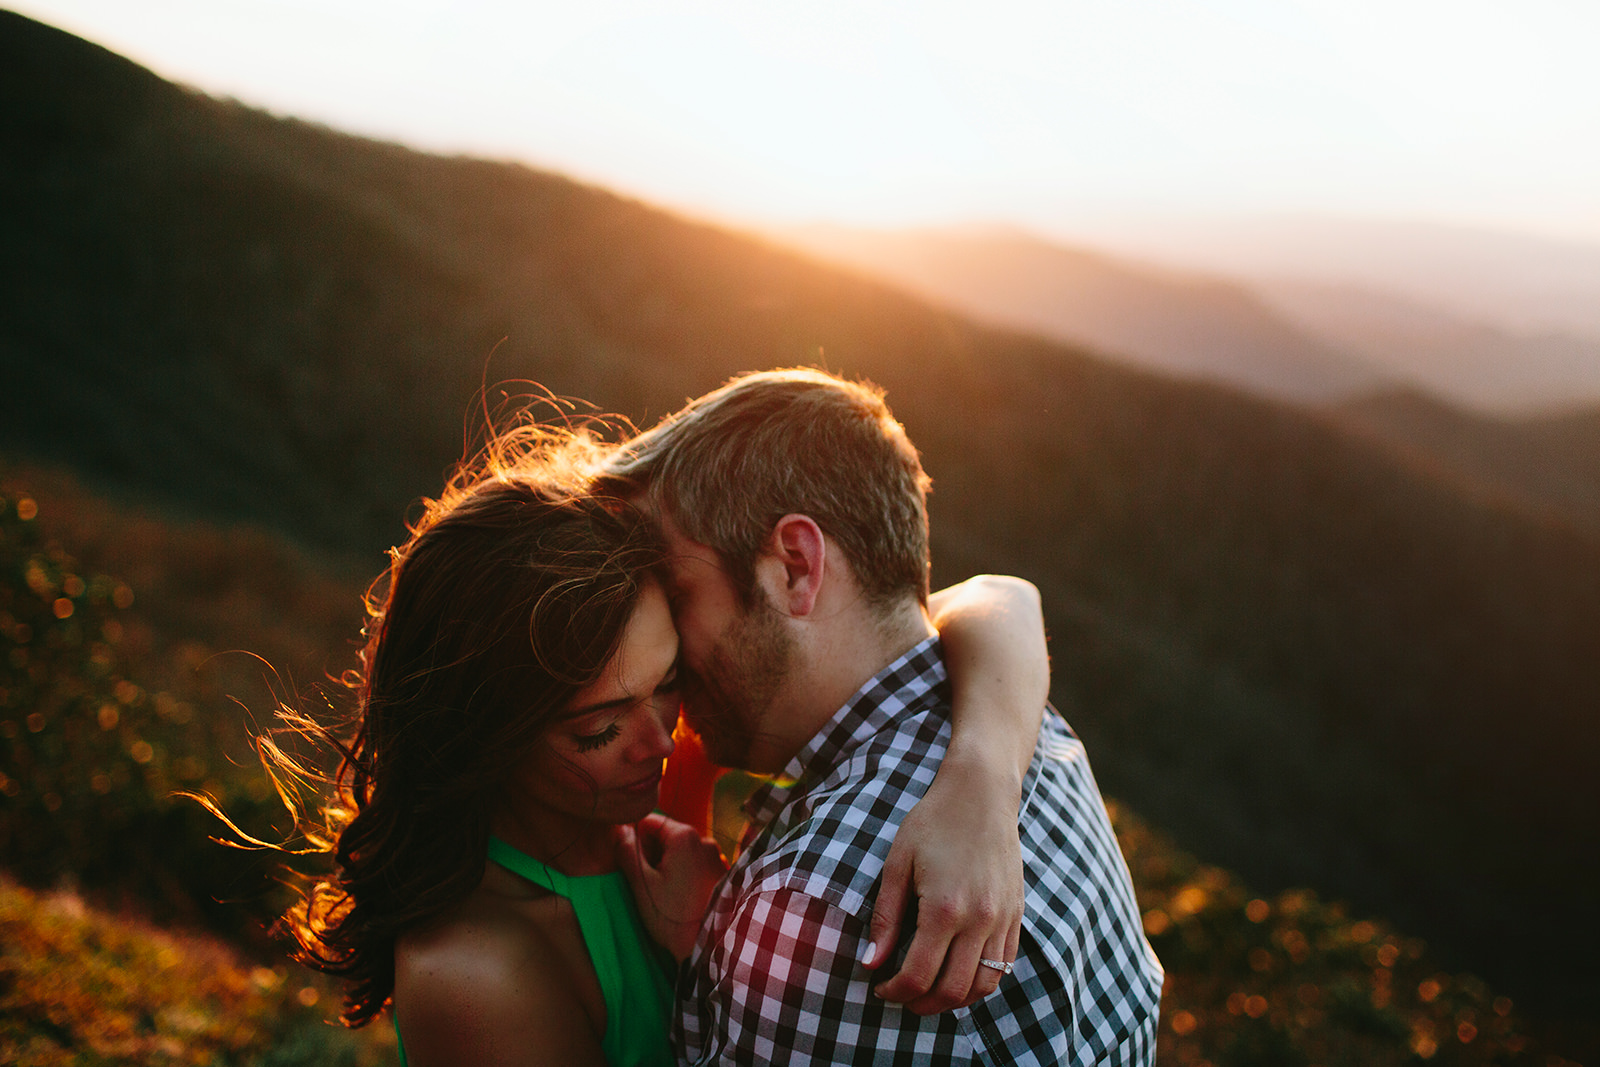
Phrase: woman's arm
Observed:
(958, 849)
(992, 629)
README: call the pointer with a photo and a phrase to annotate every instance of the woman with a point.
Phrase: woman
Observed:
(515, 703)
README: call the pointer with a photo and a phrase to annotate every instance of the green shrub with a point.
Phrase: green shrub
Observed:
(91, 760)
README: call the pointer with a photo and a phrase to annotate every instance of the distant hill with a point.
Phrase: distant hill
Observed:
(1515, 282)
(1177, 323)
(1307, 660)
(1299, 340)
(1450, 355)
(1546, 464)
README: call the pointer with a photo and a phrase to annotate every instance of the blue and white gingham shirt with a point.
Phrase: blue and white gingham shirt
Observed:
(774, 976)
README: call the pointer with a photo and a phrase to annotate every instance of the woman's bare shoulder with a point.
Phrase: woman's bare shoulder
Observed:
(499, 983)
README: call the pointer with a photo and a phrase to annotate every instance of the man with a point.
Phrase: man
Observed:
(800, 605)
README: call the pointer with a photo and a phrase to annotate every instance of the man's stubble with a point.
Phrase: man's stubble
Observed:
(729, 701)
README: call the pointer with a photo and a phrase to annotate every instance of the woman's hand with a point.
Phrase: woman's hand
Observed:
(672, 871)
(957, 853)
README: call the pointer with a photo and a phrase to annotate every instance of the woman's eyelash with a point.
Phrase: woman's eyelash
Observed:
(590, 742)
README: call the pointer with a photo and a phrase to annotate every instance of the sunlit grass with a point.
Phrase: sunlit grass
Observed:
(78, 986)
(1293, 979)
(89, 745)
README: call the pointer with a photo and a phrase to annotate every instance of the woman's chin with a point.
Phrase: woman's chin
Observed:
(631, 805)
(635, 812)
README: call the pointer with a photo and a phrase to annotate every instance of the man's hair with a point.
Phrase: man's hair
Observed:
(729, 465)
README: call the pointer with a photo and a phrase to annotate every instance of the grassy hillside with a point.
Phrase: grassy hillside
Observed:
(114, 701)
(1310, 663)
(1289, 981)
(1287, 978)
(80, 987)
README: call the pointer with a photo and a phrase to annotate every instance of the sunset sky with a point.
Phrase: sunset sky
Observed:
(1050, 115)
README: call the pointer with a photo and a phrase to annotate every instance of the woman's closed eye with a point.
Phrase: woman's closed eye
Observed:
(590, 742)
(668, 686)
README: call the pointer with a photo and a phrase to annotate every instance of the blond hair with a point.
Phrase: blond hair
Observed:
(729, 465)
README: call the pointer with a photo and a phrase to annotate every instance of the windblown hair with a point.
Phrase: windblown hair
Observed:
(510, 596)
(728, 466)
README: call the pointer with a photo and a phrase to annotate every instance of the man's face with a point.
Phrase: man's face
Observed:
(736, 659)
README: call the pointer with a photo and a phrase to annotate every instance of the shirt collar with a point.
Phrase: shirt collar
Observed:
(903, 683)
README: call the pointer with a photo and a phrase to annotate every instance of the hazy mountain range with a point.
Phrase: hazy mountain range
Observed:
(1276, 333)
(1523, 284)
(1472, 362)
(1311, 655)
(1184, 324)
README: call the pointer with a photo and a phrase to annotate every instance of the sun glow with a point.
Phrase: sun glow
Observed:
(892, 112)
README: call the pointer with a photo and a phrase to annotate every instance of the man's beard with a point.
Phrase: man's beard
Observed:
(729, 702)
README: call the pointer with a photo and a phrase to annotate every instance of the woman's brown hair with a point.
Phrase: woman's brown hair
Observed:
(511, 595)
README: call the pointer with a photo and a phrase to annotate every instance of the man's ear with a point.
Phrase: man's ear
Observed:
(794, 564)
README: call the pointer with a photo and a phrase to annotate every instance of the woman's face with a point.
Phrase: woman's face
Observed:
(601, 759)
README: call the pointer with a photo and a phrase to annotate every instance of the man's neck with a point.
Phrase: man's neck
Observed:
(840, 658)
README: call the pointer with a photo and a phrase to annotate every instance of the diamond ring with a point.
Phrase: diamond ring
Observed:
(998, 965)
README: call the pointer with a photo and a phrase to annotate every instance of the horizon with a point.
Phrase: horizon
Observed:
(1068, 121)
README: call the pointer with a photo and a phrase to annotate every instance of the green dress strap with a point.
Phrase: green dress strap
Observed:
(635, 973)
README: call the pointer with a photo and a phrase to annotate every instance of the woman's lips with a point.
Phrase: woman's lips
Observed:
(644, 785)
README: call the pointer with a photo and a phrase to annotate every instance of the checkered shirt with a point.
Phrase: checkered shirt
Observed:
(774, 977)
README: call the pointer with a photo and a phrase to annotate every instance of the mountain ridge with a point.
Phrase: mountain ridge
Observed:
(1546, 464)
(1509, 280)
(1184, 324)
(1286, 338)
(1474, 364)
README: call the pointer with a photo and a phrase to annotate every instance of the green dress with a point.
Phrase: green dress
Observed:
(635, 974)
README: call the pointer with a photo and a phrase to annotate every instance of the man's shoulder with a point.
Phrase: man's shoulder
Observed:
(830, 841)
(1064, 823)
(1081, 917)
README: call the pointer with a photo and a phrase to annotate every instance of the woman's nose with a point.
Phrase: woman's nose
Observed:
(654, 740)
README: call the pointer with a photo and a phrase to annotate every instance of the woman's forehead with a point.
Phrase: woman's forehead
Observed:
(645, 656)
